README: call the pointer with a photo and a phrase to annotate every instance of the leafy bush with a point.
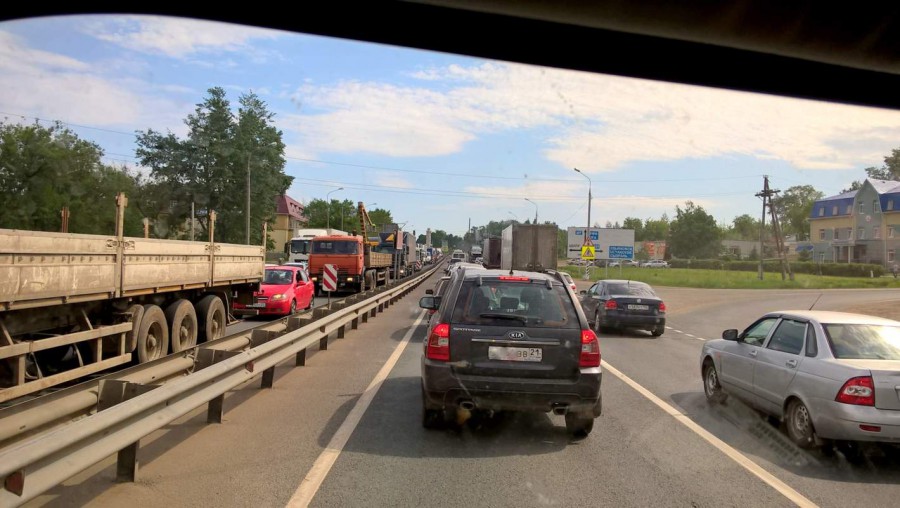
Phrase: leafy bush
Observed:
(835, 269)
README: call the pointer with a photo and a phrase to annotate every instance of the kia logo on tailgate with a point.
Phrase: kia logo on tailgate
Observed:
(516, 335)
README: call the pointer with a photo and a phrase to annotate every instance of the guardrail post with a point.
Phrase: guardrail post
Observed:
(340, 332)
(355, 323)
(294, 323)
(114, 392)
(268, 378)
(323, 342)
(365, 317)
(300, 359)
(205, 358)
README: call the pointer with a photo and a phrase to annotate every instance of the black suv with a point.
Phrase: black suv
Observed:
(504, 340)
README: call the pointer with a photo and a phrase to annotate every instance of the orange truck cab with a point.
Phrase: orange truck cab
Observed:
(358, 269)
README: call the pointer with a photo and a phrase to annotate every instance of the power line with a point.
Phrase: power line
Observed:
(416, 171)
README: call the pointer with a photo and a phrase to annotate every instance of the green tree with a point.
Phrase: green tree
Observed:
(637, 225)
(656, 230)
(43, 169)
(320, 214)
(210, 167)
(380, 217)
(744, 227)
(694, 233)
(794, 207)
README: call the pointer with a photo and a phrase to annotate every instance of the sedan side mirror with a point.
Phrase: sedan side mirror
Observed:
(730, 334)
(429, 291)
(430, 302)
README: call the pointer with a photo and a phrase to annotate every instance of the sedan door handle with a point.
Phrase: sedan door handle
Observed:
(792, 363)
(753, 353)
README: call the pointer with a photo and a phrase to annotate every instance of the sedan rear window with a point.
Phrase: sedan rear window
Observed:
(505, 303)
(863, 342)
(631, 289)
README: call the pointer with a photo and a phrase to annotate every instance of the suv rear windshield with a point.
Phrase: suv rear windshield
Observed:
(863, 342)
(507, 303)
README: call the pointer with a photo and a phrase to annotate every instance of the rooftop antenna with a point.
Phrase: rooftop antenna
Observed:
(817, 301)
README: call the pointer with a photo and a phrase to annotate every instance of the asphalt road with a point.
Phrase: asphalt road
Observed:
(638, 455)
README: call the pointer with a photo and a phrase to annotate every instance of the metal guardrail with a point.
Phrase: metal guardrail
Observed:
(129, 411)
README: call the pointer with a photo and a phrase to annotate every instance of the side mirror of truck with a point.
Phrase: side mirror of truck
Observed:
(429, 291)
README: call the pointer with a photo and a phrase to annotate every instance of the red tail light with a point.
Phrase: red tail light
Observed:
(610, 305)
(859, 391)
(662, 307)
(514, 277)
(439, 343)
(590, 350)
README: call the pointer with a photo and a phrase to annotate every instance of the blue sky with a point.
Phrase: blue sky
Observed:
(436, 138)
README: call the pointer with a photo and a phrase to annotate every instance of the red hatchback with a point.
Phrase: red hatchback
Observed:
(284, 290)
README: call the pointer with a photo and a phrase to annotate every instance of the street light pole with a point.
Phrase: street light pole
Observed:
(248, 199)
(536, 210)
(587, 232)
(328, 202)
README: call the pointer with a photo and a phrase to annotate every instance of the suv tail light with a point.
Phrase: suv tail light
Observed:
(590, 350)
(662, 307)
(439, 343)
(513, 277)
(859, 391)
(610, 305)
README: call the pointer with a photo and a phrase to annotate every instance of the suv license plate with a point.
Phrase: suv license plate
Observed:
(632, 306)
(515, 354)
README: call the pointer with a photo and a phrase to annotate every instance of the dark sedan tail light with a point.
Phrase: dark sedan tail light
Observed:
(662, 307)
(859, 391)
(610, 305)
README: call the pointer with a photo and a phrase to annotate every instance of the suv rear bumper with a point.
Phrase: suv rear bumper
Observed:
(443, 388)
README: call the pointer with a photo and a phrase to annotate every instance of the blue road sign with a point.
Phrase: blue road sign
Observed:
(595, 235)
(621, 252)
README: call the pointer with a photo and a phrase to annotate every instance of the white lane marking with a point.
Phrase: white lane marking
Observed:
(677, 331)
(722, 446)
(320, 468)
(669, 328)
(689, 335)
(700, 338)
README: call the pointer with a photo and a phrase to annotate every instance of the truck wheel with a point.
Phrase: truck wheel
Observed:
(210, 318)
(182, 325)
(153, 335)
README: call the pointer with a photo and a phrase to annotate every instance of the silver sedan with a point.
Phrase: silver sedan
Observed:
(830, 376)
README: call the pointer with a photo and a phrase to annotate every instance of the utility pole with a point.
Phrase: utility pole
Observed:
(766, 194)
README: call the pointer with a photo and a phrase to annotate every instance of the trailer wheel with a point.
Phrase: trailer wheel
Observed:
(153, 335)
(210, 318)
(182, 325)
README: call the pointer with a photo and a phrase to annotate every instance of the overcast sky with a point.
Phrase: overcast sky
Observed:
(439, 139)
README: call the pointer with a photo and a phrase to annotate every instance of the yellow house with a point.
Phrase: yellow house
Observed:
(861, 226)
(288, 219)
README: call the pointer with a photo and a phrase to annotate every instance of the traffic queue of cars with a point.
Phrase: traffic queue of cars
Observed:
(527, 341)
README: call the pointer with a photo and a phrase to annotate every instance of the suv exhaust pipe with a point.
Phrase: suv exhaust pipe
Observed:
(468, 405)
(560, 409)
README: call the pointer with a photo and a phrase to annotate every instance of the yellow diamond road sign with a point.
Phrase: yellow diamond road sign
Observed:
(587, 252)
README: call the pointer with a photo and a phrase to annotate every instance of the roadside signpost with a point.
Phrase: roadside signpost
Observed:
(329, 281)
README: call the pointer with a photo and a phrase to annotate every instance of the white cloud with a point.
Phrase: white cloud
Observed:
(179, 38)
(392, 179)
(593, 122)
(53, 86)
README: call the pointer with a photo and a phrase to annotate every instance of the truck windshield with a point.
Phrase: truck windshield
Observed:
(334, 247)
(300, 246)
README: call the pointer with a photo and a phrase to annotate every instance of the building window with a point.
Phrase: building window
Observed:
(890, 205)
(834, 210)
(891, 232)
(821, 211)
(849, 209)
(862, 207)
(821, 234)
(874, 206)
(861, 233)
(849, 233)
(834, 234)
(891, 255)
(877, 233)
